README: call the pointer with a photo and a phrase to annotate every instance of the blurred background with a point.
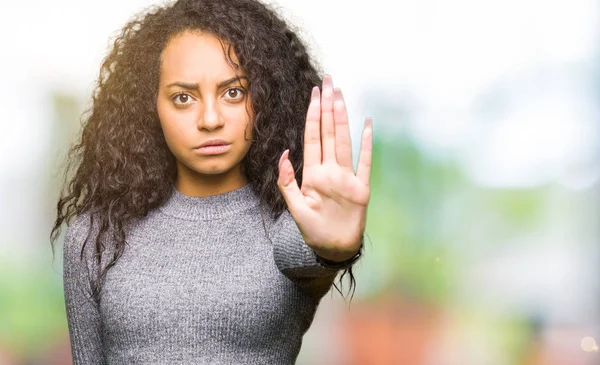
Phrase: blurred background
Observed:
(483, 223)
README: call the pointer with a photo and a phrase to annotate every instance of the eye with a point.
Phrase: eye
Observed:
(235, 93)
(182, 99)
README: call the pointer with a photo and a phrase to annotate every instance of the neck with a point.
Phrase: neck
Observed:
(201, 185)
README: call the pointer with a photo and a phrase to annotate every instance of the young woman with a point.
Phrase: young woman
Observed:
(214, 197)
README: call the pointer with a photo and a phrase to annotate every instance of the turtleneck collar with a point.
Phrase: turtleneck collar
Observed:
(210, 207)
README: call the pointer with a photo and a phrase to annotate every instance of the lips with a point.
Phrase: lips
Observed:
(210, 150)
(213, 142)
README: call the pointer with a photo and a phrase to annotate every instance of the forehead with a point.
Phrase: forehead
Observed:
(196, 56)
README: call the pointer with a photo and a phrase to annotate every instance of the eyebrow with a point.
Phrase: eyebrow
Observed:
(191, 86)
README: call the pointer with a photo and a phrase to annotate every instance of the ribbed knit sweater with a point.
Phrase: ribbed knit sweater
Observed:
(199, 282)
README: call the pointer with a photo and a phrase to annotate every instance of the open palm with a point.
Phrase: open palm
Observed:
(330, 208)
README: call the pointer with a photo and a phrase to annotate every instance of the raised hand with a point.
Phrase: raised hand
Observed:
(330, 208)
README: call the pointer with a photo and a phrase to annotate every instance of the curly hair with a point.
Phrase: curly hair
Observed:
(117, 181)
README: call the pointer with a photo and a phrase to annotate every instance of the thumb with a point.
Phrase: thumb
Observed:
(288, 185)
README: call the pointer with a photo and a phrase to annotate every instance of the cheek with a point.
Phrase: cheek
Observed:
(162, 115)
(171, 123)
(241, 122)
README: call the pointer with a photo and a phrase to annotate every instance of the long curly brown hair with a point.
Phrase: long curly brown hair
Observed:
(117, 181)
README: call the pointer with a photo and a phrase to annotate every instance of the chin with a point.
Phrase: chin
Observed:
(215, 169)
(212, 168)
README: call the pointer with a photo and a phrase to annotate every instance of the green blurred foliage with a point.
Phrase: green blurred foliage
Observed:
(32, 312)
(425, 215)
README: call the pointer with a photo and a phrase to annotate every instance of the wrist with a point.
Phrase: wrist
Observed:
(335, 256)
(339, 259)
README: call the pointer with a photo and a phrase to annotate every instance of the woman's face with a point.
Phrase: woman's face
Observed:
(199, 100)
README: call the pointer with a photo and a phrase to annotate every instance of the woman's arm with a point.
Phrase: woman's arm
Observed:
(82, 312)
(298, 261)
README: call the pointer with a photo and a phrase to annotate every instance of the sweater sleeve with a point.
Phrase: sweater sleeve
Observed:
(82, 312)
(298, 261)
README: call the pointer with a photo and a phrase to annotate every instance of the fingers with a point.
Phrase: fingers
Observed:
(312, 131)
(343, 144)
(327, 123)
(363, 170)
(327, 131)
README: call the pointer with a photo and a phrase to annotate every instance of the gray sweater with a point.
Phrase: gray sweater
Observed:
(199, 282)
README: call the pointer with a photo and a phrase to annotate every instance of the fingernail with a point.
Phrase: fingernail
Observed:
(337, 93)
(327, 85)
(281, 159)
(315, 92)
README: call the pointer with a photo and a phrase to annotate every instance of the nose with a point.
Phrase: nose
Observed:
(210, 119)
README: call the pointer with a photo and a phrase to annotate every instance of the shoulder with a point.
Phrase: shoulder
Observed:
(275, 221)
(284, 228)
(80, 230)
(285, 219)
(79, 224)
(79, 227)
